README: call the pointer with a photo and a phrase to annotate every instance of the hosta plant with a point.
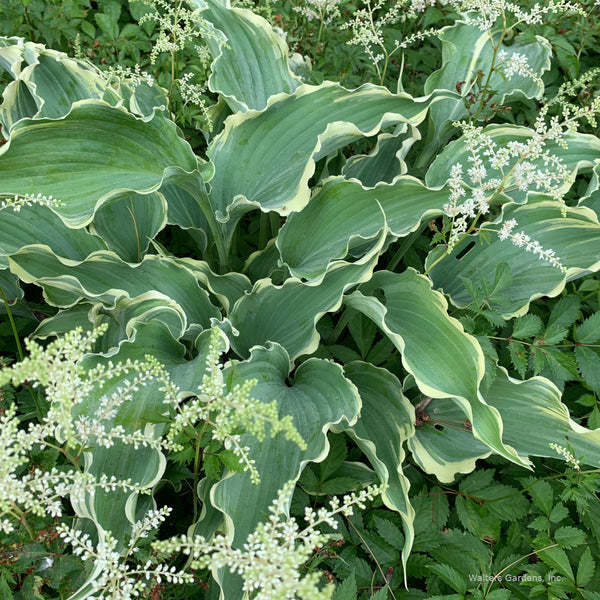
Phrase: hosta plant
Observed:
(334, 238)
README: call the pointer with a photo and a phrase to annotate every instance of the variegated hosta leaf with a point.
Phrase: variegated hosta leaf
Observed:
(128, 224)
(575, 238)
(116, 510)
(10, 285)
(94, 154)
(533, 416)
(288, 314)
(184, 210)
(344, 212)
(47, 83)
(128, 312)
(444, 360)
(386, 160)
(251, 60)
(67, 319)
(319, 398)
(443, 444)
(319, 120)
(120, 320)
(227, 288)
(592, 195)
(466, 50)
(580, 154)
(386, 421)
(37, 224)
(105, 278)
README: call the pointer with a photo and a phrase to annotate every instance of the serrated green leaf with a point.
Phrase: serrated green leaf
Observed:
(504, 501)
(569, 537)
(476, 481)
(554, 334)
(493, 317)
(588, 362)
(212, 467)
(585, 568)
(565, 312)
(527, 326)
(539, 524)
(231, 461)
(518, 355)
(594, 418)
(335, 458)
(537, 360)
(363, 333)
(477, 519)
(382, 594)
(347, 589)
(557, 559)
(451, 576)
(588, 400)
(389, 532)
(562, 365)
(339, 486)
(385, 554)
(542, 495)
(499, 595)
(558, 513)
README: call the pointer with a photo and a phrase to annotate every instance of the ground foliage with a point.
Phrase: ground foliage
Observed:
(296, 288)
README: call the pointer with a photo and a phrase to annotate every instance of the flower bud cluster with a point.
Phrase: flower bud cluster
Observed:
(115, 578)
(67, 384)
(319, 10)
(522, 240)
(18, 201)
(272, 556)
(516, 166)
(568, 455)
(230, 411)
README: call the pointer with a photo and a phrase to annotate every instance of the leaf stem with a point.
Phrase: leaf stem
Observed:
(23, 519)
(495, 578)
(197, 458)
(13, 326)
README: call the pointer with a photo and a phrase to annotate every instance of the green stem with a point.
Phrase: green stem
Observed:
(197, 458)
(264, 233)
(486, 86)
(28, 21)
(341, 325)
(436, 261)
(13, 326)
(321, 28)
(407, 242)
(275, 223)
(23, 518)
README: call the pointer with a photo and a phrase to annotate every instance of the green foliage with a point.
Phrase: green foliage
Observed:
(401, 280)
